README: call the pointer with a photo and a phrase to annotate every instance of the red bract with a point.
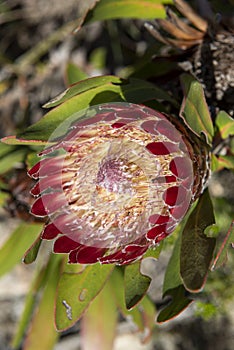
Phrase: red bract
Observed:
(115, 184)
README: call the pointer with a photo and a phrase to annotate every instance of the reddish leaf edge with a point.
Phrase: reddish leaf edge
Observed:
(223, 246)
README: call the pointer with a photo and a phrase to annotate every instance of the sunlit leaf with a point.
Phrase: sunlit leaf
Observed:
(29, 305)
(136, 284)
(11, 159)
(42, 333)
(225, 124)
(221, 162)
(113, 9)
(5, 149)
(196, 248)
(84, 96)
(221, 256)
(76, 291)
(194, 109)
(98, 326)
(14, 248)
(74, 74)
(12, 140)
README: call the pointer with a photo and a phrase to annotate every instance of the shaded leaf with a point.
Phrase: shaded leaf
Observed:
(42, 333)
(31, 254)
(194, 109)
(5, 149)
(221, 256)
(98, 326)
(154, 252)
(136, 284)
(178, 304)
(74, 74)
(76, 291)
(196, 248)
(113, 9)
(134, 90)
(14, 248)
(225, 124)
(143, 315)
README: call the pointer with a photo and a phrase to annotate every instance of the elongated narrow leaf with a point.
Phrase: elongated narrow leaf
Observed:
(113, 9)
(136, 284)
(221, 256)
(29, 305)
(83, 86)
(76, 291)
(225, 124)
(196, 248)
(221, 162)
(194, 109)
(99, 323)
(14, 248)
(84, 96)
(12, 140)
(42, 333)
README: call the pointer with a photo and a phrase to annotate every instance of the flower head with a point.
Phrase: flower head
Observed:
(117, 183)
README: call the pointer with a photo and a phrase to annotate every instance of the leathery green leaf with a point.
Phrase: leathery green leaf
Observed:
(98, 326)
(13, 249)
(178, 304)
(225, 124)
(11, 159)
(113, 9)
(173, 286)
(74, 74)
(194, 109)
(76, 291)
(136, 284)
(196, 248)
(31, 254)
(42, 333)
(133, 90)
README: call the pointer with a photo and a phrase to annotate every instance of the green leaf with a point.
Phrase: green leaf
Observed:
(86, 94)
(12, 140)
(113, 9)
(225, 124)
(31, 254)
(178, 304)
(42, 333)
(76, 291)
(83, 86)
(5, 149)
(29, 304)
(154, 252)
(221, 162)
(136, 284)
(221, 256)
(196, 248)
(173, 286)
(13, 249)
(143, 315)
(74, 74)
(194, 109)
(12, 159)
(99, 322)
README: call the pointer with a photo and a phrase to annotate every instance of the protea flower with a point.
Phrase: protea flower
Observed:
(117, 183)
